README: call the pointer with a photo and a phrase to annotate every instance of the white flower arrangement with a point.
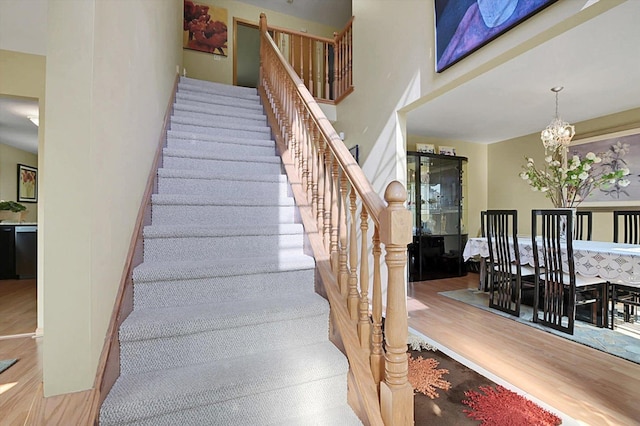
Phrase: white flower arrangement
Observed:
(568, 185)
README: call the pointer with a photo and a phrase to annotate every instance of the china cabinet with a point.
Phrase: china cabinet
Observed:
(436, 191)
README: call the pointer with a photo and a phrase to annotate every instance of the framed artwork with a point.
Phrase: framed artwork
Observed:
(205, 28)
(446, 150)
(355, 151)
(618, 150)
(426, 148)
(27, 184)
(464, 26)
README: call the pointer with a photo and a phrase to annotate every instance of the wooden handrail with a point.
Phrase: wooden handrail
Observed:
(323, 64)
(329, 186)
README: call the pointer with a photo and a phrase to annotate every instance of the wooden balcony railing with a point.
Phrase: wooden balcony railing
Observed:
(323, 64)
(329, 188)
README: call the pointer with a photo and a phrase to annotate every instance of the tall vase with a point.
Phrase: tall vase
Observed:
(563, 223)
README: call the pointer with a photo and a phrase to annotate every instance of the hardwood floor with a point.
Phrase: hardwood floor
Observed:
(589, 385)
(19, 383)
(18, 307)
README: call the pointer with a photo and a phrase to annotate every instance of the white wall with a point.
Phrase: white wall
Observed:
(110, 73)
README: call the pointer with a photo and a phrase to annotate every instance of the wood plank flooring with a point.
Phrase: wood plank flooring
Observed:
(18, 307)
(19, 383)
(589, 385)
(586, 384)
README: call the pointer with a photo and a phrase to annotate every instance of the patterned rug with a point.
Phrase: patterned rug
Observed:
(603, 339)
(497, 406)
(6, 363)
(448, 393)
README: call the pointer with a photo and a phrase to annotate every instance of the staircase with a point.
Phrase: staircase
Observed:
(226, 327)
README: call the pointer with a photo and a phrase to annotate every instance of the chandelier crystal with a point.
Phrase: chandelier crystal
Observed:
(558, 132)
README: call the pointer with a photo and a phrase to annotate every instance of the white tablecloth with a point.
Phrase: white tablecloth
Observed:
(611, 261)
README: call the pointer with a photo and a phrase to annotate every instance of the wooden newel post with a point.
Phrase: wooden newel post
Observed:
(262, 28)
(396, 393)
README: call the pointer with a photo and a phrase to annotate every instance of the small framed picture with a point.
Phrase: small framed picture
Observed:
(27, 184)
(446, 150)
(426, 148)
(355, 151)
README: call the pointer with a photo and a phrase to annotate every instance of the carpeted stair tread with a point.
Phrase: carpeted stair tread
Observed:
(212, 200)
(185, 269)
(190, 231)
(229, 131)
(215, 175)
(229, 110)
(341, 415)
(207, 101)
(176, 134)
(219, 114)
(205, 89)
(230, 98)
(145, 324)
(222, 122)
(206, 155)
(215, 87)
(195, 288)
(149, 394)
(236, 149)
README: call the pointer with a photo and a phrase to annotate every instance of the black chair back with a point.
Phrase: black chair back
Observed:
(583, 225)
(555, 282)
(630, 226)
(504, 261)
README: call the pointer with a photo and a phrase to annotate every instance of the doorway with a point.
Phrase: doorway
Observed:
(18, 250)
(246, 58)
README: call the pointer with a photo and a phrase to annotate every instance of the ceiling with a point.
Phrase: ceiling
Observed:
(334, 13)
(598, 63)
(16, 129)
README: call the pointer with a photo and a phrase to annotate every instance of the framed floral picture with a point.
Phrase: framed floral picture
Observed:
(619, 151)
(205, 28)
(27, 184)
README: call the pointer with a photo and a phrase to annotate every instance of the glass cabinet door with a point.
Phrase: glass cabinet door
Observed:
(435, 187)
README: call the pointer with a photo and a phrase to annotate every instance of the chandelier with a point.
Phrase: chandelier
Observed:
(558, 133)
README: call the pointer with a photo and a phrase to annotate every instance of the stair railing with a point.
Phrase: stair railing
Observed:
(329, 186)
(323, 64)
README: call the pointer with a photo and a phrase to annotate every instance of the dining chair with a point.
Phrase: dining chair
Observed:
(558, 289)
(504, 269)
(583, 225)
(483, 223)
(630, 226)
(484, 279)
(626, 295)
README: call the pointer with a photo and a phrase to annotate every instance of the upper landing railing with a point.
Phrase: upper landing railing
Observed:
(323, 64)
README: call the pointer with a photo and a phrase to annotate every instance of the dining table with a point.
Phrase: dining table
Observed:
(616, 263)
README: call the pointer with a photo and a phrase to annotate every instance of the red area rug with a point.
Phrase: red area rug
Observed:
(497, 406)
(447, 393)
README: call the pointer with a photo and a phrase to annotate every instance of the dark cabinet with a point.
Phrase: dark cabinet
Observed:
(7, 252)
(436, 198)
(18, 251)
(26, 243)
